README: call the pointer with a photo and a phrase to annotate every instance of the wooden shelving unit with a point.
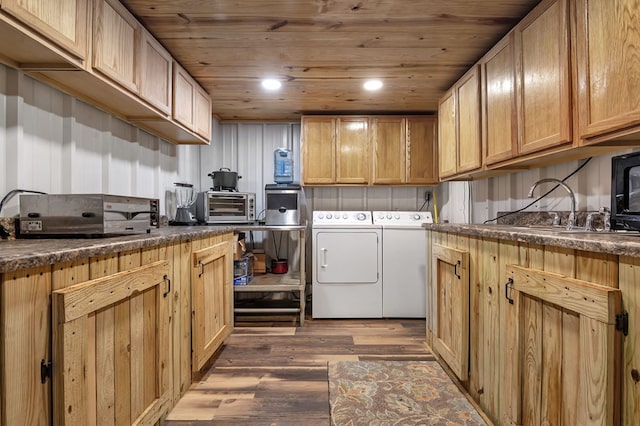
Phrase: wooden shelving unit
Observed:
(277, 283)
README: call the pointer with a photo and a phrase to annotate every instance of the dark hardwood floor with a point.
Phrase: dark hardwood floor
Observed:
(276, 373)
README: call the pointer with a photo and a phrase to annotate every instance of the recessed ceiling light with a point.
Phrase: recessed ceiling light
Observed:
(372, 84)
(271, 84)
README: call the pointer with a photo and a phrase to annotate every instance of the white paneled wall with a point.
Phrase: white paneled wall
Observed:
(54, 143)
(477, 201)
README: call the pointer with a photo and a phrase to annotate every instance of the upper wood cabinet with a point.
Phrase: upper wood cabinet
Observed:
(543, 77)
(62, 21)
(500, 132)
(156, 69)
(607, 48)
(404, 150)
(469, 137)
(318, 150)
(352, 150)
(191, 104)
(184, 88)
(459, 140)
(447, 135)
(202, 113)
(422, 153)
(389, 149)
(98, 51)
(335, 150)
(116, 43)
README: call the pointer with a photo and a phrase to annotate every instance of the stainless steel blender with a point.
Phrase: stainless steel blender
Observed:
(185, 198)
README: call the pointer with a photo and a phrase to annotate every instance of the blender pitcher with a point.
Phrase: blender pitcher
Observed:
(185, 198)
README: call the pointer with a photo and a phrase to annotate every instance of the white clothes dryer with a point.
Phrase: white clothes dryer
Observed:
(346, 265)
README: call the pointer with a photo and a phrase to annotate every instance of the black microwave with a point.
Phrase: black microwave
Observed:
(625, 192)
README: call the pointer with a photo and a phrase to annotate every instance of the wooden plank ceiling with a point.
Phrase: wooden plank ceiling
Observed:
(323, 50)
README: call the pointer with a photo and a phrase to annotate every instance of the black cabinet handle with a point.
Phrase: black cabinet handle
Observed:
(506, 290)
(168, 281)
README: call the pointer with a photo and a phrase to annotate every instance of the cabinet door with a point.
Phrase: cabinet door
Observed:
(112, 348)
(389, 149)
(116, 43)
(422, 167)
(450, 277)
(155, 84)
(544, 107)
(561, 350)
(607, 48)
(211, 301)
(63, 21)
(447, 139)
(352, 150)
(202, 117)
(183, 96)
(26, 335)
(500, 131)
(318, 150)
(468, 121)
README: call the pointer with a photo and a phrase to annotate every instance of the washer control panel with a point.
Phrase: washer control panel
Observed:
(405, 218)
(330, 217)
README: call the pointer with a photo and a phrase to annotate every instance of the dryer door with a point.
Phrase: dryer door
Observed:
(346, 257)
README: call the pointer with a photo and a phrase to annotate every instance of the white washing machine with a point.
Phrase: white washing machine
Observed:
(404, 268)
(346, 265)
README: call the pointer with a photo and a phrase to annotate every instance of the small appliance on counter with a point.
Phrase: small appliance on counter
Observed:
(86, 215)
(224, 180)
(282, 204)
(185, 199)
(625, 193)
(220, 207)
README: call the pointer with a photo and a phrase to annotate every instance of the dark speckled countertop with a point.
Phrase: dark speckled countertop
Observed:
(618, 243)
(29, 253)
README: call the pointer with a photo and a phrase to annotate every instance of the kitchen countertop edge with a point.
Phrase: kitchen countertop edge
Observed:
(35, 252)
(610, 242)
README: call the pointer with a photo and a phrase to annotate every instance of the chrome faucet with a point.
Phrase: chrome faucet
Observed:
(572, 216)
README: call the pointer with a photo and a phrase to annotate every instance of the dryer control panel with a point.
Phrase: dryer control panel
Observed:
(330, 217)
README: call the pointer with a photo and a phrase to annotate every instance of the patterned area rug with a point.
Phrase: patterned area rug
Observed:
(385, 393)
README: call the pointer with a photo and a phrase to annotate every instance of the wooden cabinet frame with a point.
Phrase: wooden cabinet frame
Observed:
(70, 32)
(109, 58)
(594, 351)
(211, 301)
(450, 272)
(129, 349)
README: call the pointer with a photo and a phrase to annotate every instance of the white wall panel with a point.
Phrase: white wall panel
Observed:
(51, 142)
(591, 186)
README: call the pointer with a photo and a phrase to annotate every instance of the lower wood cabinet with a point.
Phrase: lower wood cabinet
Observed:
(450, 269)
(561, 350)
(211, 301)
(109, 338)
(111, 347)
(543, 347)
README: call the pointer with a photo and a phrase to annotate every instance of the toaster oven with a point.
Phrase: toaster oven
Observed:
(219, 207)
